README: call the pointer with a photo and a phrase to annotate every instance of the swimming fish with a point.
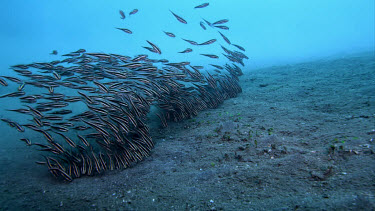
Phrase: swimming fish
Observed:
(122, 14)
(125, 30)
(133, 12)
(179, 18)
(202, 25)
(191, 42)
(202, 5)
(208, 42)
(3, 82)
(221, 21)
(13, 94)
(212, 56)
(217, 66)
(208, 23)
(154, 49)
(222, 27)
(239, 47)
(225, 38)
(170, 34)
(187, 50)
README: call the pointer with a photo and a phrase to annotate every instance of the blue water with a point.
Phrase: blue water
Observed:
(273, 32)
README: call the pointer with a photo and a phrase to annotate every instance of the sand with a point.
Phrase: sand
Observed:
(299, 136)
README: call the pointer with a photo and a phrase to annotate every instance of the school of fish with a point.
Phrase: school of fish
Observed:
(116, 93)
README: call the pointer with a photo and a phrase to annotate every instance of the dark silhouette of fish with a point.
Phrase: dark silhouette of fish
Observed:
(202, 25)
(187, 50)
(80, 51)
(217, 66)
(222, 27)
(128, 31)
(133, 12)
(225, 38)
(191, 42)
(179, 18)
(202, 5)
(208, 23)
(3, 82)
(221, 21)
(122, 14)
(154, 49)
(13, 94)
(212, 56)
(208, 42)
(54, 52)
(239, 47)
(170, 34)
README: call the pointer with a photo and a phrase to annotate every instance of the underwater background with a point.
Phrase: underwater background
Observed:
(290, 125)
(273, 32)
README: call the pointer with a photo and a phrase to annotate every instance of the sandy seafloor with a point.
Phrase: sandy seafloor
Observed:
(297, 138)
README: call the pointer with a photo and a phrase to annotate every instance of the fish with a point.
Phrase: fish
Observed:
(62, 112)
(179, 18)
(50, 117)
(13, 94)
(226, 50)
(141, 57)
(208, 42)
(220, 22)
(65, 175)
(84, 141)
(14, 79)
(86, 97)
(225, 38)
(187, 50)
(191, 42)
(62, 129)
(133, 11)
(21, 87)
(239, 47)
(80, 51)
(3, 82)
(202, 5)
(51, 90)
(21, 110)
(150, 49)
(207, 22)
(17, 126)
(71, 54)
(97, 127)
(217, 66)
(56, 75)
(101, 86)
(122, 14)
(154, 47)
(210, 56)
(218, 71)
(54, 52)
(68, 140)
(21, 66)
(222, 27)
(128, 31)
(27, 141)
(38, 121)
(202, 25)
(170, 34)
